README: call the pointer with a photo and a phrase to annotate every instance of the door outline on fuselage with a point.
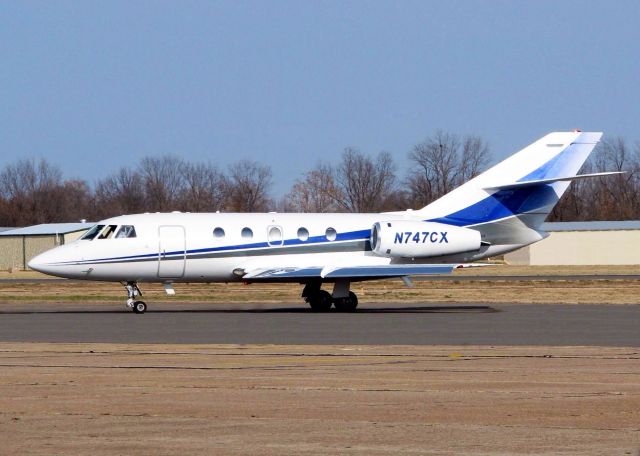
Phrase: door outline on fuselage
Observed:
(174, 240)
(275, 242)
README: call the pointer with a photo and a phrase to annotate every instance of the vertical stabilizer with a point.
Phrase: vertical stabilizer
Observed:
(558, 155)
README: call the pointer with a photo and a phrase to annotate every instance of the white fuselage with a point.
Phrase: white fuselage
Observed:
(185, 247)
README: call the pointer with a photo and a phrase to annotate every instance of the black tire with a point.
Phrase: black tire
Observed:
(320, 301)
(348, 304)
(139, 307)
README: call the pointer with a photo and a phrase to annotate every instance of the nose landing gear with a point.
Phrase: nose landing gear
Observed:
(139, 307)
(134, 291)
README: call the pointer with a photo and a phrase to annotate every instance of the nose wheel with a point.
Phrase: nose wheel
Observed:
(133, 291)
(139, 307)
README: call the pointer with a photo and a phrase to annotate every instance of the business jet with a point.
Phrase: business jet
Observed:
(494, 213)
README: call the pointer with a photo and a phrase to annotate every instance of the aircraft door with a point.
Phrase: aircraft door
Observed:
(172, 253)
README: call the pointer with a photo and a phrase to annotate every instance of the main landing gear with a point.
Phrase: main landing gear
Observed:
(133, 291)
(321, 301)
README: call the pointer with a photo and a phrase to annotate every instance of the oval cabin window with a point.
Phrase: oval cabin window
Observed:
(218, 233)
(303, 234)
(274, 236)
(331, 234)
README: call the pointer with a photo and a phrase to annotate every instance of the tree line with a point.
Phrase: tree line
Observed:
(35, 191)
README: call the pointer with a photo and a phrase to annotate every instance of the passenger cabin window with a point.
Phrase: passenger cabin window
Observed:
(303, 234)
(126, 231)
(275, 236)
(218, 233)
(108, 232)
(89, 235)
(331, 234)
(247, 233)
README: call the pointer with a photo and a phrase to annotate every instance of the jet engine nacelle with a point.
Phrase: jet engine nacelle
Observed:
(416, 239)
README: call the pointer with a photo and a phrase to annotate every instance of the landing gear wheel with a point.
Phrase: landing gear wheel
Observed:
(139, 307)
(320, 301)
(133, 291)
(347, 304)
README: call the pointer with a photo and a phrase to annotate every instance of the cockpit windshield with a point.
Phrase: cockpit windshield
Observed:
(107, 233)
(126, 231)
(93, 231)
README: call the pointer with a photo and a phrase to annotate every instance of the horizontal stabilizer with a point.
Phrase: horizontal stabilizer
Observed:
(346, 272)
(533, 183)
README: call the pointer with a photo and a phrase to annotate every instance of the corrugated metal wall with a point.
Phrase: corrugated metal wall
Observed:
(70, 237)
(35, 245)
(11, 252)
(16, 251)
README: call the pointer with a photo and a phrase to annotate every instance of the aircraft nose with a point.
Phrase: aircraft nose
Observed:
(57, 262)
(49, 262)
(38, 263)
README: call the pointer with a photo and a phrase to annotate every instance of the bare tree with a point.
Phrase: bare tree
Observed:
(203, 188)
(162, 178)
(29, 190)
(247, 187)
(161, 184)
(28, 176)
(437, 162)
(608, 197)
(365, 183)
(4, 211)
(121, 193)
(616, 196)
(474, 158)
(33, 191)
(315, 192)
(71, 201)
(358, 184)
(443, 162)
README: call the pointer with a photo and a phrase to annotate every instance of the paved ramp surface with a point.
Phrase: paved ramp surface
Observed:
(386, 324)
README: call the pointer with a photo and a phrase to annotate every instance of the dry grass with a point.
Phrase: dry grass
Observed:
(537, 290)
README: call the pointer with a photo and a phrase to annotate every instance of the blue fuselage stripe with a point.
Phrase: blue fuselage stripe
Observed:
(502, 204)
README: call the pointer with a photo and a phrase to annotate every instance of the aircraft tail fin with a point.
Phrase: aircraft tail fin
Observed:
(526, 185)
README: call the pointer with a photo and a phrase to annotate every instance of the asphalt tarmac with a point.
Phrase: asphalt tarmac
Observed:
(289, 324)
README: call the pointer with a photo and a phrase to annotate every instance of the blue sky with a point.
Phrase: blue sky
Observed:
(93, 86)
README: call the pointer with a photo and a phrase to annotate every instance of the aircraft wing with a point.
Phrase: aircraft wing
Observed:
(346, 272)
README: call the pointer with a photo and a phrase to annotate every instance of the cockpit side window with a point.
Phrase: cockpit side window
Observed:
(89, 235)
(126, 231)
(107, 233)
